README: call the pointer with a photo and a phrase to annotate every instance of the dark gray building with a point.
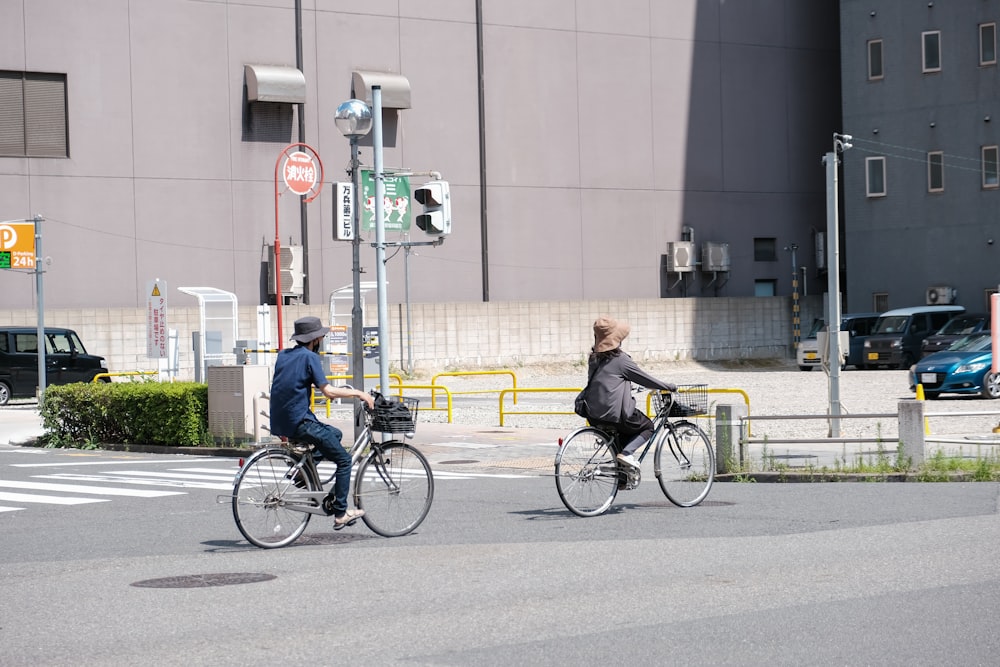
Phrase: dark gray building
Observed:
(579, 141)
(921, 204)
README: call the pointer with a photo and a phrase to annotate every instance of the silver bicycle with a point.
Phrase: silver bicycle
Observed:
(589, 475)
(278, 489)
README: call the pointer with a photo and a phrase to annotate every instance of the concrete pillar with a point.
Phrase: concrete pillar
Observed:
(911, 431)
(728, 431)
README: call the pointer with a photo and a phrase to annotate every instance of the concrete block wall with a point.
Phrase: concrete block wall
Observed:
(496, 334)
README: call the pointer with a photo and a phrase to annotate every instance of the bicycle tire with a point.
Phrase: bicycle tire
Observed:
(587, 472)
(259, 499)
(685, 464)
(395, 488)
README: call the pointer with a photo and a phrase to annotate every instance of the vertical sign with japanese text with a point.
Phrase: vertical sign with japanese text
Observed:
(156, 319)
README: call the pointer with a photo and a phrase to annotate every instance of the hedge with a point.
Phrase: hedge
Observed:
(128, 413)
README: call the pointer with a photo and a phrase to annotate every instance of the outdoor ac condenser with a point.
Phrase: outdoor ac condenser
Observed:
(230, 400)
(941, 295)
(292, 275)
(680, 256)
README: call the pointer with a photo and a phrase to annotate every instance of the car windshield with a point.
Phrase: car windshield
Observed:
(961, 325)
(892, 324)
(973, 343)
(816, 328)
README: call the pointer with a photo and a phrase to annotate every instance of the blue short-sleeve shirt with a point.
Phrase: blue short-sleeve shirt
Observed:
(296, 372)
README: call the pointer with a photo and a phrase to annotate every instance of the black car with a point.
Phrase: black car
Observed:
(955, 328)
(66, 361)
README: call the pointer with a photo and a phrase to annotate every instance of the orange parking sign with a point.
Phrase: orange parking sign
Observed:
(17, 245)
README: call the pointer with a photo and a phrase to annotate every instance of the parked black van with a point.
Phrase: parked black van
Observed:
(897, 336)
(66, 361)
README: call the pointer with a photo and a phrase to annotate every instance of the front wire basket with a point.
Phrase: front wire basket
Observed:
(690, 400)
(395, 414)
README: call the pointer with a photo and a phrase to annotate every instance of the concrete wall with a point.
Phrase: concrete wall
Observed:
(497, 334)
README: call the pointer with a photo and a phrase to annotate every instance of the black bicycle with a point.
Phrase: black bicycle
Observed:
(589, 475)
(278, 489)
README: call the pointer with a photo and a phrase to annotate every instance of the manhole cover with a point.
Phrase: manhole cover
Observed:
(458, 461)
(205, 580)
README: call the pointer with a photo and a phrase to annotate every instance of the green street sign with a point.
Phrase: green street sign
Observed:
(395, 206)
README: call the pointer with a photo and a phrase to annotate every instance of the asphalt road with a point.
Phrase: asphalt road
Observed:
(499, 573)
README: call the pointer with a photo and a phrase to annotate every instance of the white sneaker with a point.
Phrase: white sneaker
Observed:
(628, 460)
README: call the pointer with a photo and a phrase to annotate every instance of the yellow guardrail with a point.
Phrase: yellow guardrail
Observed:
(504, 393)
(123, 374)
(513, 378)
(434, 389)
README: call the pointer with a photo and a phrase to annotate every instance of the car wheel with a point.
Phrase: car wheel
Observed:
(4, 394)
(805, 368)
(991, 385)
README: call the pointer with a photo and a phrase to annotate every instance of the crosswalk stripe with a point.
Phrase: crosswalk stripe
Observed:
(10, 509)
(50, 500)
(79, 488)
(177, 483)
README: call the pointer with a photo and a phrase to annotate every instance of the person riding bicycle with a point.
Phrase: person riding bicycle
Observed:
(296, 371)
(609, 390)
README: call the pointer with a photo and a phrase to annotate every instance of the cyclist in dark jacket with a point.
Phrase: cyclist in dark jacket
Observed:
(296, 372)
(609, 391)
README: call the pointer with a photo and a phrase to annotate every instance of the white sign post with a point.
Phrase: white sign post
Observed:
(156, 319)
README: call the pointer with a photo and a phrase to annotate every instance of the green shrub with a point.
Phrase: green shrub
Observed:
(130, 413)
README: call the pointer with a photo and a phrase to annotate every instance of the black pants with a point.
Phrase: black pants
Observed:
(633, 432)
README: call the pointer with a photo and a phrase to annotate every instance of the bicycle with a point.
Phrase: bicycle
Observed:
(589, 476)
(279, 488)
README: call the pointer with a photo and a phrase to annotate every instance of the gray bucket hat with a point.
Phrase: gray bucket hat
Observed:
(308, 329)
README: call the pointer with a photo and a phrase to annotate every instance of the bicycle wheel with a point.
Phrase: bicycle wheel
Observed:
(395, 488)
(586, 472)
(685, 464)
(259, 499)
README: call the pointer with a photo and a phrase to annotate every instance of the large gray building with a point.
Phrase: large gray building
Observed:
(579, 141)
(921, 97)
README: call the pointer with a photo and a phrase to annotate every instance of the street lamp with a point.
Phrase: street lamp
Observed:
(354, 120)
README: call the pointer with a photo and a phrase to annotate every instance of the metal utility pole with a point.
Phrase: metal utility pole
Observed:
(841, 142)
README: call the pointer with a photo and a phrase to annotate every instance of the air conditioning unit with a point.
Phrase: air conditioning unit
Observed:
(680, 256)
(292, 276)
(941, 295)
(715, 257)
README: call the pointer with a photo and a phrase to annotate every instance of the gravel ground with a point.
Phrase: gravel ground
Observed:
(774, 387)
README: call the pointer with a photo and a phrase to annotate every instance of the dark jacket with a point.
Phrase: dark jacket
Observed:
(609, 396)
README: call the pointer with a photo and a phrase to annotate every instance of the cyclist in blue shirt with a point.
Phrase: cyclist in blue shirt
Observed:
(296, 372)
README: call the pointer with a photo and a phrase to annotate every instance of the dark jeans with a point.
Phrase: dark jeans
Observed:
(633, 432)
(327, 440)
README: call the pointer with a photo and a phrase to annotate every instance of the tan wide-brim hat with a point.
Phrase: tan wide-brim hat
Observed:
(609, 333)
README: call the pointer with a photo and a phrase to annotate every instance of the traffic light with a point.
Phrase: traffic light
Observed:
(436, 200)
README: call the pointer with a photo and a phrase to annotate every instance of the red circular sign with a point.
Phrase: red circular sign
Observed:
(300, 173)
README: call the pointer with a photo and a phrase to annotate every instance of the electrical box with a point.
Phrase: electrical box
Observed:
(231, 390)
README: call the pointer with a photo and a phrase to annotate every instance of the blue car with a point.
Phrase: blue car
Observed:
(964, 368)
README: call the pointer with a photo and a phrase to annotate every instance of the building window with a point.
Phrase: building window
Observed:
(764, 287)
(991, 178)
(33, 115)
(880, 302)
(932, 51)
(935, 171)
(764, 250)
(875, 59)
(988, 44)
(875, 176)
